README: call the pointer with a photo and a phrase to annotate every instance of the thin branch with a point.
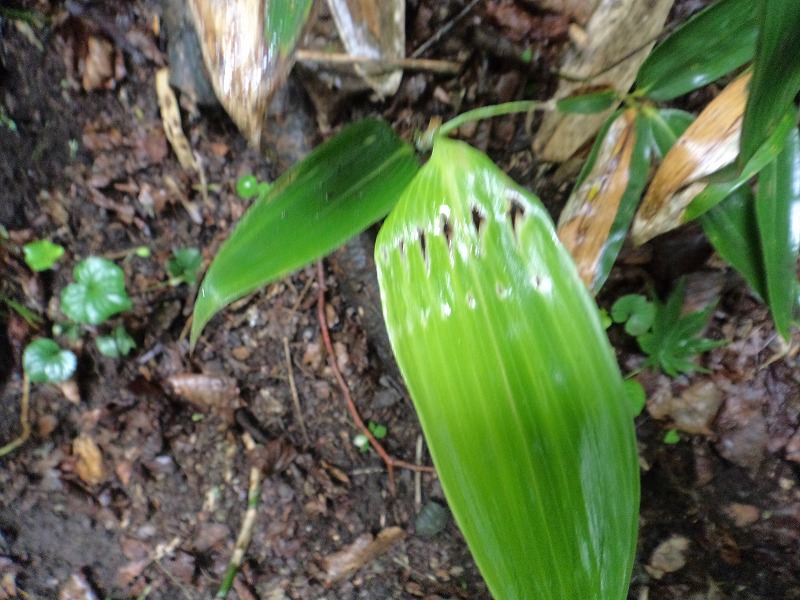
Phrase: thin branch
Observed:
(434, 39)
(248, 524)
(380, 64)
(23, 419)
(390, 461)
(295, 397)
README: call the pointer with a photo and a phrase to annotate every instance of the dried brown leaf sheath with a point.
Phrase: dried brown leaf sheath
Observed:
(590, 212)
(709, 144)
(244, 70)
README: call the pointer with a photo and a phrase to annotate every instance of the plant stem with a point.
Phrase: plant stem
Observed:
(425, 141)
(23, 419)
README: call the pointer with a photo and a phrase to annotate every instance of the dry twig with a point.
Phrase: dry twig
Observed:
(295, 397)
(390, 461)
(23, 419)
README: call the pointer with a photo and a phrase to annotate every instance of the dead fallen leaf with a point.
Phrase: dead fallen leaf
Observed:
(204, 392)
(619, 37)
(171, 117)
(691, 412)
(580, 10)
(374, 30)
(90, 465)
(587, 218)
(743, 515)
(77, 588)
(364, 549)
(710, 143)
(668, 557)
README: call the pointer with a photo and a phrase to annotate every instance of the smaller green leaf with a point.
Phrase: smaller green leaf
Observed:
(98, 292)
(42, 254)
(777, 206)
(672, 437)
(361, 442)
(636, 311)
(30, 317)
(732, 229)
(636, 396)
(118, 344)
(247, 186)
(184, 265)
(46, 362)
(711, 44)
(587, 103)
(378, 430)
(671, 344)
(338, 190)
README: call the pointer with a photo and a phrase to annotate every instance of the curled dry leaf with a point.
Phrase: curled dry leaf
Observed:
(373, 30)
(248, 56)
(363, 550)
(90, 465)
(204, 392)
(707, 145)
(591, 209)
(171, 117)
(668, 557)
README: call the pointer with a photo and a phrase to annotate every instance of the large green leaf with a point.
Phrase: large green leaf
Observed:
(776, 73)
(777, 209)
(732, 230)
(339, 189)
(515, 383)
(711, 44)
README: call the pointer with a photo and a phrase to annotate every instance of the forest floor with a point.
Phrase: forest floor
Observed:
(153, 508)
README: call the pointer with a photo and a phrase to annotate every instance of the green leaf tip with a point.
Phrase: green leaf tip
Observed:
(514, 380)
(341, 188)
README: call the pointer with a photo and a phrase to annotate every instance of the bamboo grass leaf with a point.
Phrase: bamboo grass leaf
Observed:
(338, 190)
(776, 73)
(515, 383)
(732, 229)
(711, 44)
(777, 209)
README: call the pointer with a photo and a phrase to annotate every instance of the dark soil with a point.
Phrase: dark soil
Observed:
(94, 172)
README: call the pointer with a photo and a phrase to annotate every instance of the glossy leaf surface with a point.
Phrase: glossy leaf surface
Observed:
(777, 212)
(732, 229)
(712, 44)
(46, 362)
(339, 189)
(42, 254)
(516, 386)
(97, 293)
(584, 102)
(776, 73)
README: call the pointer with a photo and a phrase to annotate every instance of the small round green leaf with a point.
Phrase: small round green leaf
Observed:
(42, 254)
(247, 186)
(118, 344)
(184, 265)
(635, 311)
(634, 392)
(98, 292)
(672, 437)
(46, 362)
